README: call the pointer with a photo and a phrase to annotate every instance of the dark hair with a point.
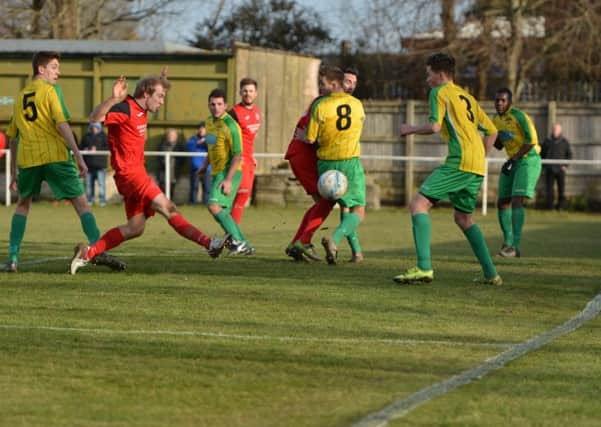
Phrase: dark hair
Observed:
(333, 74)
(248, 81)
(148, 83)
(322, 69)
(442, 62)
(201, 124)
(217, 93)
(507, 91)
(42, 59)
(352, 70)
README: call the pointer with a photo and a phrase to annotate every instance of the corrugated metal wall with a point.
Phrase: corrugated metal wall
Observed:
(287, 84)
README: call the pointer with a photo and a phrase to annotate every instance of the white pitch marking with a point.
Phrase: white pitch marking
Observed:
(257, 337)
(402, 407)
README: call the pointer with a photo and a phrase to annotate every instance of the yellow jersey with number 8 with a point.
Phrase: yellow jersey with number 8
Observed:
(335, 124)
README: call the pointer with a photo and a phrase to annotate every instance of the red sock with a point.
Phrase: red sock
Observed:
(239, 204)
(187, 230)
(109, 240)
(315, 217)
(303, 223)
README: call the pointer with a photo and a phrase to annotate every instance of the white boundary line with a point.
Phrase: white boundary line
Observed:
(257, 337)
(401, 407)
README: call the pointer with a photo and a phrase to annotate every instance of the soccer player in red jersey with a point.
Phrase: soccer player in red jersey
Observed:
(248, 117)
(303, 162)
(126, 119)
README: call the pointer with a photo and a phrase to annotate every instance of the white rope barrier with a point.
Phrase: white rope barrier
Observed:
(419, 159)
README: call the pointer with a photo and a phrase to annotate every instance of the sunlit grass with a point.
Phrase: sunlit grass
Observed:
(181, 339)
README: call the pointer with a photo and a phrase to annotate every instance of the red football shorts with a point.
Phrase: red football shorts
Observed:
(138, 192)
(303, 162)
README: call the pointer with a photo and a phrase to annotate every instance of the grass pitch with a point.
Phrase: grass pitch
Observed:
(184, 340)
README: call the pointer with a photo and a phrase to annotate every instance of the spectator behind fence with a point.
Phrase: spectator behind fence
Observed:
(95, 140)
(168, 144)
(556, 147)
(198, 144)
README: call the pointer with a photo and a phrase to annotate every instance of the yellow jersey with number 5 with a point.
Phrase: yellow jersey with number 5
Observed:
(461, 119)
(37, 112)
(335, 124)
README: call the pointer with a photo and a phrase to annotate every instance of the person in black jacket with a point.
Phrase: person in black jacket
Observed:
(556, 147)
(95, 140)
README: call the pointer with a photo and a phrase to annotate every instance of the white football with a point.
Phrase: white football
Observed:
(332, 184)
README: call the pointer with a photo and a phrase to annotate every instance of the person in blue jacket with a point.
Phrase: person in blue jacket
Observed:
(197, 144)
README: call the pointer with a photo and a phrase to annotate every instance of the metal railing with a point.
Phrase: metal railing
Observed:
(169, 154)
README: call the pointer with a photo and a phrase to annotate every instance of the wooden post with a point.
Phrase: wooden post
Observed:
(409, 152)
(551, 116)
(97, 96)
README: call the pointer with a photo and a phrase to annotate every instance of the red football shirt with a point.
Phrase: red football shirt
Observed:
(249, 120)
(126, 122)
(296, 146)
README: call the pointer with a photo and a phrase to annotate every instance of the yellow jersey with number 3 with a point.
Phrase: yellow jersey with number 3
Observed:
(335, 124)
(461, 119)
(37, 112)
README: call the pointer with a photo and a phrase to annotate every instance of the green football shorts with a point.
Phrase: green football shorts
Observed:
(355, 175)
(62, 178)
(217, 197)
(522, 178)
(461, 188)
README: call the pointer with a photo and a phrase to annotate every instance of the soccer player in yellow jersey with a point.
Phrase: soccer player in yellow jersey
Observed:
(224, 142)
(41, 143)
(335, 123)
(456, 115)
(520, 172)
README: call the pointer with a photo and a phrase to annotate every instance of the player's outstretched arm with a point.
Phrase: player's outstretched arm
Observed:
(67, 133)
(489, 142)
(12, 145)
(226, 185)
(119, 92)
(425, 129)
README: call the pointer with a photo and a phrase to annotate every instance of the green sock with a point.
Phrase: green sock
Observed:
(505, 222)
(88, 223)
(353, 241)
(518, 218)
(17, 231)
(476, 239)
(353, 238)
(229, 225)
(421, 238)
(347, 227)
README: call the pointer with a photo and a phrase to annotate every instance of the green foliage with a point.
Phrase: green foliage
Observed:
(181, 339)
(277, 24)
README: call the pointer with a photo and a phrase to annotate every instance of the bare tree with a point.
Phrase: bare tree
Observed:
(539, 36)
(78, 19)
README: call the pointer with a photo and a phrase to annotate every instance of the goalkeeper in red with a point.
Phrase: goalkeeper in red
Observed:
(248, 117)
(126, 119)
(456, 115)
(336, 122)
